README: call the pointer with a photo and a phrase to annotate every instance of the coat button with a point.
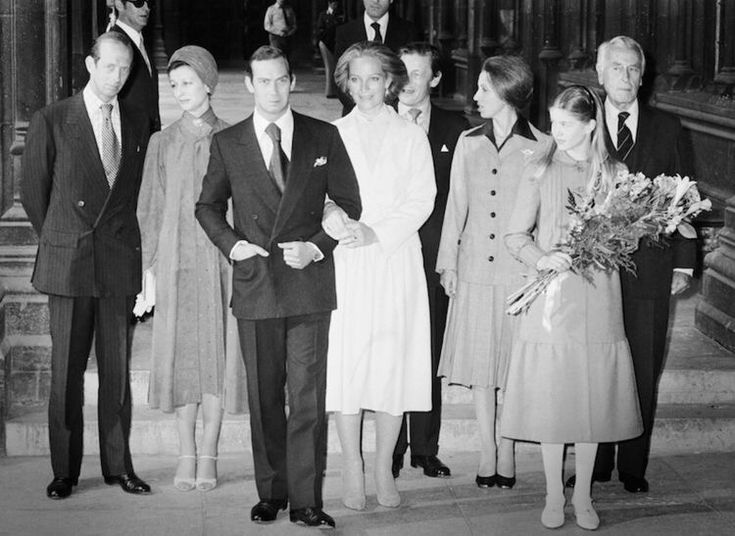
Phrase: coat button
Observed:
(492, 236)
(80, 203)
(492, 214)
(255, 216)
(491, 258)
(492, 192)
(494, 171)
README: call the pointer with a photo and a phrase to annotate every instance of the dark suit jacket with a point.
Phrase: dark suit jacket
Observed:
(265, 287)
(89, 241)
(444, 130)
(658, 149)
(398, 33)
(141, 88)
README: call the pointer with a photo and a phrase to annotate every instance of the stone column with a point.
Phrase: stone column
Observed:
(549, 56)
(715, 314)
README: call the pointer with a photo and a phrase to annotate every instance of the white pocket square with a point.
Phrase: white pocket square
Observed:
(321, 161)
(444, 149)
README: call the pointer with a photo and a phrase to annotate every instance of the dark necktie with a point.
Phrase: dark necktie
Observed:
(278, 163)
(110, 146)
(377, 38)
(625, 138)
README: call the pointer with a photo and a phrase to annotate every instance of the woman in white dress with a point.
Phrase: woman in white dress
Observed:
(379, 345)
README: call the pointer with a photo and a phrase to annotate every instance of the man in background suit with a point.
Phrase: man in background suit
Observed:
(82, 168)
(377, 24)
(423, 65)
(141, 89)
(647, 141)
(277, 166)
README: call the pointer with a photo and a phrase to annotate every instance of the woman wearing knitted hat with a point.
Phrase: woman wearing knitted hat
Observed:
(195, 348)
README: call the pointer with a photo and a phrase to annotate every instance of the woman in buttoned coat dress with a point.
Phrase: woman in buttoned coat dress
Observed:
(477, 271)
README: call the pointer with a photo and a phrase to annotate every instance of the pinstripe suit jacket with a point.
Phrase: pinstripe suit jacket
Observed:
(89, 240)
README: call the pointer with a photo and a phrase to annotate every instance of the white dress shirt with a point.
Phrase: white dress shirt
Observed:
(93, 104)
(611, 117)
(370, 31)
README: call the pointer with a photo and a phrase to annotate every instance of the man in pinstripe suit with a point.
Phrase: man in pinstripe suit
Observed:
(81, 176)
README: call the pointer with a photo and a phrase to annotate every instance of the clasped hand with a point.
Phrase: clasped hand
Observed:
(554, 260)
(350, 233)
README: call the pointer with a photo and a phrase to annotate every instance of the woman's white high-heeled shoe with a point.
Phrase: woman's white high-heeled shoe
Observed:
(353, 486)
(385, 486)
(206, 484)
(184, 484)
(586, 515)
(553, 515)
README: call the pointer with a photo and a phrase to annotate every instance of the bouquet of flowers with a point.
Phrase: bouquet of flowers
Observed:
(604, 234)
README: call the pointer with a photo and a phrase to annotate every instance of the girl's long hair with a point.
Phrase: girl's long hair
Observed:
(585, 105)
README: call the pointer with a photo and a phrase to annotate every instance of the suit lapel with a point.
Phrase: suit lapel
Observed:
(644, 135)
(435, 130)
(298, 173)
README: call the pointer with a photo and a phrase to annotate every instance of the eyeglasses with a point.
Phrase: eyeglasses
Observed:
(139, 3)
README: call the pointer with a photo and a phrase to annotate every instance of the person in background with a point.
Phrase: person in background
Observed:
(570, 378)
(280, 23)
(443, 128)
(648, 141)
(141, 88)
(192, 278)
(379, 342)
(277, 166)
(82, 168)
(326, 27)
(477, 271)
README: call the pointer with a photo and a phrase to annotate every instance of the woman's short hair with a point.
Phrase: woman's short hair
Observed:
(511, 78)
(390, 63)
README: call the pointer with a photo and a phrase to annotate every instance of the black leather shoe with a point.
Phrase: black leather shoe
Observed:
(130, 483)
(312, 517)
(485, 481)
(505, 482)
(432, 465)
(596, 477)
(60, 488)
(634, 484)
(397, 466)
(267, 510)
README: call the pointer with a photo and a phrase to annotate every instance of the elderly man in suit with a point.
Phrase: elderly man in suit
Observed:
(647, 141)
(423, 65)
(141, 89)
(81, 175)
(377, 24)
(277, 166)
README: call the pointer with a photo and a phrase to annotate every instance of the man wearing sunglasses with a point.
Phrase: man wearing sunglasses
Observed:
(141, 89)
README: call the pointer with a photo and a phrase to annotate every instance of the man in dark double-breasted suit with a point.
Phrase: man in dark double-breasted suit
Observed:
(277, 166)
(82, 168)
(141, 88)
(647, 141)
(443, 128)
(376, 24)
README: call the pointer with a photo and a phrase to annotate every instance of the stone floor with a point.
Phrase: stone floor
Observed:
(691, 494)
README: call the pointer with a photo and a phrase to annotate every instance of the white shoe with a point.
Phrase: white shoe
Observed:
(553, 515)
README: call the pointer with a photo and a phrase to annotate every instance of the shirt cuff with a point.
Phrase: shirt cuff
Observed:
(318, 255)
(687, 271)
(243, 242)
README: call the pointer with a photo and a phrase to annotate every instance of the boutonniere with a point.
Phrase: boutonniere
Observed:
(321, 161)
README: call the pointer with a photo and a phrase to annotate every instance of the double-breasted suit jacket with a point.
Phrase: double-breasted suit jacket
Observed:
(89, 241)
(88, 262)
(141, 88)
(265, 287)
(658, 149)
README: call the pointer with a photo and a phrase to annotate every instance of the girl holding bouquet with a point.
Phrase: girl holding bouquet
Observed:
(570, 378)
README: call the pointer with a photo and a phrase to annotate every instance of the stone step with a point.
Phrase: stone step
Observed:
(679, 429)
(694, 380)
